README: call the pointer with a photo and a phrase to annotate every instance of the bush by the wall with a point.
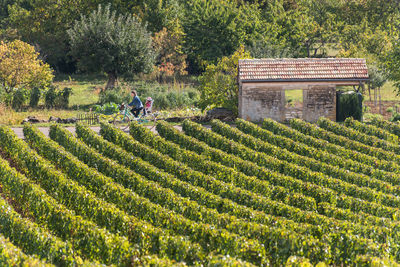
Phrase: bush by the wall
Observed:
(348, 104)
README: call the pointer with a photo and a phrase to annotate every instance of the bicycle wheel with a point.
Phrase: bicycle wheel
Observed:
(121, 121)
(153, 119)
(150, 120)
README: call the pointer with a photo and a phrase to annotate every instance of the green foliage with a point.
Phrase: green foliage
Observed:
(149, 189)
(20, 95)
(265, 49)
(56, 98)
(393, 128)
(34, 97)
(45, 23)
(116, 95)
(207, 136)
(377, 77)
(210, 30)
(11, 255)
(348, 104)
(287, 138)
(265, 196)
(87, 205)
(107, 109)
(387, 161)
(371, 130)
(300, 172)
(159, 14)
(391, 148)
(225, 25)
(20, 66)
(111, 43)
(130, 202)
(264, 191)
(218, 84)
(165, 96)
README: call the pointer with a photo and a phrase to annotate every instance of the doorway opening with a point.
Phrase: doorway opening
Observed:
(294, 104)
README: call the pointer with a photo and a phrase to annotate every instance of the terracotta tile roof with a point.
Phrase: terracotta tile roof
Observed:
(302, 69)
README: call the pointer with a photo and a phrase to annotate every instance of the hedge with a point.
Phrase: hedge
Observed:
(125, 141)
(380, 169)
(211, 239)
(386, 207)
(372, 130)
(11, 255)
(166, 197)
(149, 239)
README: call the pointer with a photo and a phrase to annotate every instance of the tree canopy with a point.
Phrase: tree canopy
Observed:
(219, 83)
(115, 44)
(20, 66)
(204, 31)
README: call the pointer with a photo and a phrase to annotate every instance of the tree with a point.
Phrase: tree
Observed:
(44, 23)
(159, 14)
(170, 59)
(111, 43)
(21, 67)
(219, 86)
(217, 28)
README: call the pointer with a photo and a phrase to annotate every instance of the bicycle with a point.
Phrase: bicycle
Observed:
(125, 116)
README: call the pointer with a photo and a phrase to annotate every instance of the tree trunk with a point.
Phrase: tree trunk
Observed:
(380, 102)
(112, 79)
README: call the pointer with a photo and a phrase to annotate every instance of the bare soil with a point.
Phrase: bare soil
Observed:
(385, 105)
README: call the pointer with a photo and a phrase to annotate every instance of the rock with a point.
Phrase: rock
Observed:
(55, 119)
(67, 121)
(32, 119)
(221, 114)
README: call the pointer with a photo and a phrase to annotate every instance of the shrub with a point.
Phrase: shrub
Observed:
(348, 105)
(19, 98)
(56, 98)
(35, 97)
(166, 96)
(115, 95)
(106, 109)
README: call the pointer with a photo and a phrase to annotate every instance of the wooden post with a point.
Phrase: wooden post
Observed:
(369, 91)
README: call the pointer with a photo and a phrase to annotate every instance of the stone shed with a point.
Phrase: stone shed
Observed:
(263, 83)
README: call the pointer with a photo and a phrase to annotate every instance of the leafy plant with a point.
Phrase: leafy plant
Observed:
(19, 98)
(20, 66)
(218, 84)
(56, 98)
(34, 97)
(106, 109)
(116, 44)
(116, 95)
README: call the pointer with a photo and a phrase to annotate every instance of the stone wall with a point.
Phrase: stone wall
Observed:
(319, 102)
(259, 101)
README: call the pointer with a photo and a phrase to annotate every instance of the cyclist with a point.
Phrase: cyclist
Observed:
(136, 103)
